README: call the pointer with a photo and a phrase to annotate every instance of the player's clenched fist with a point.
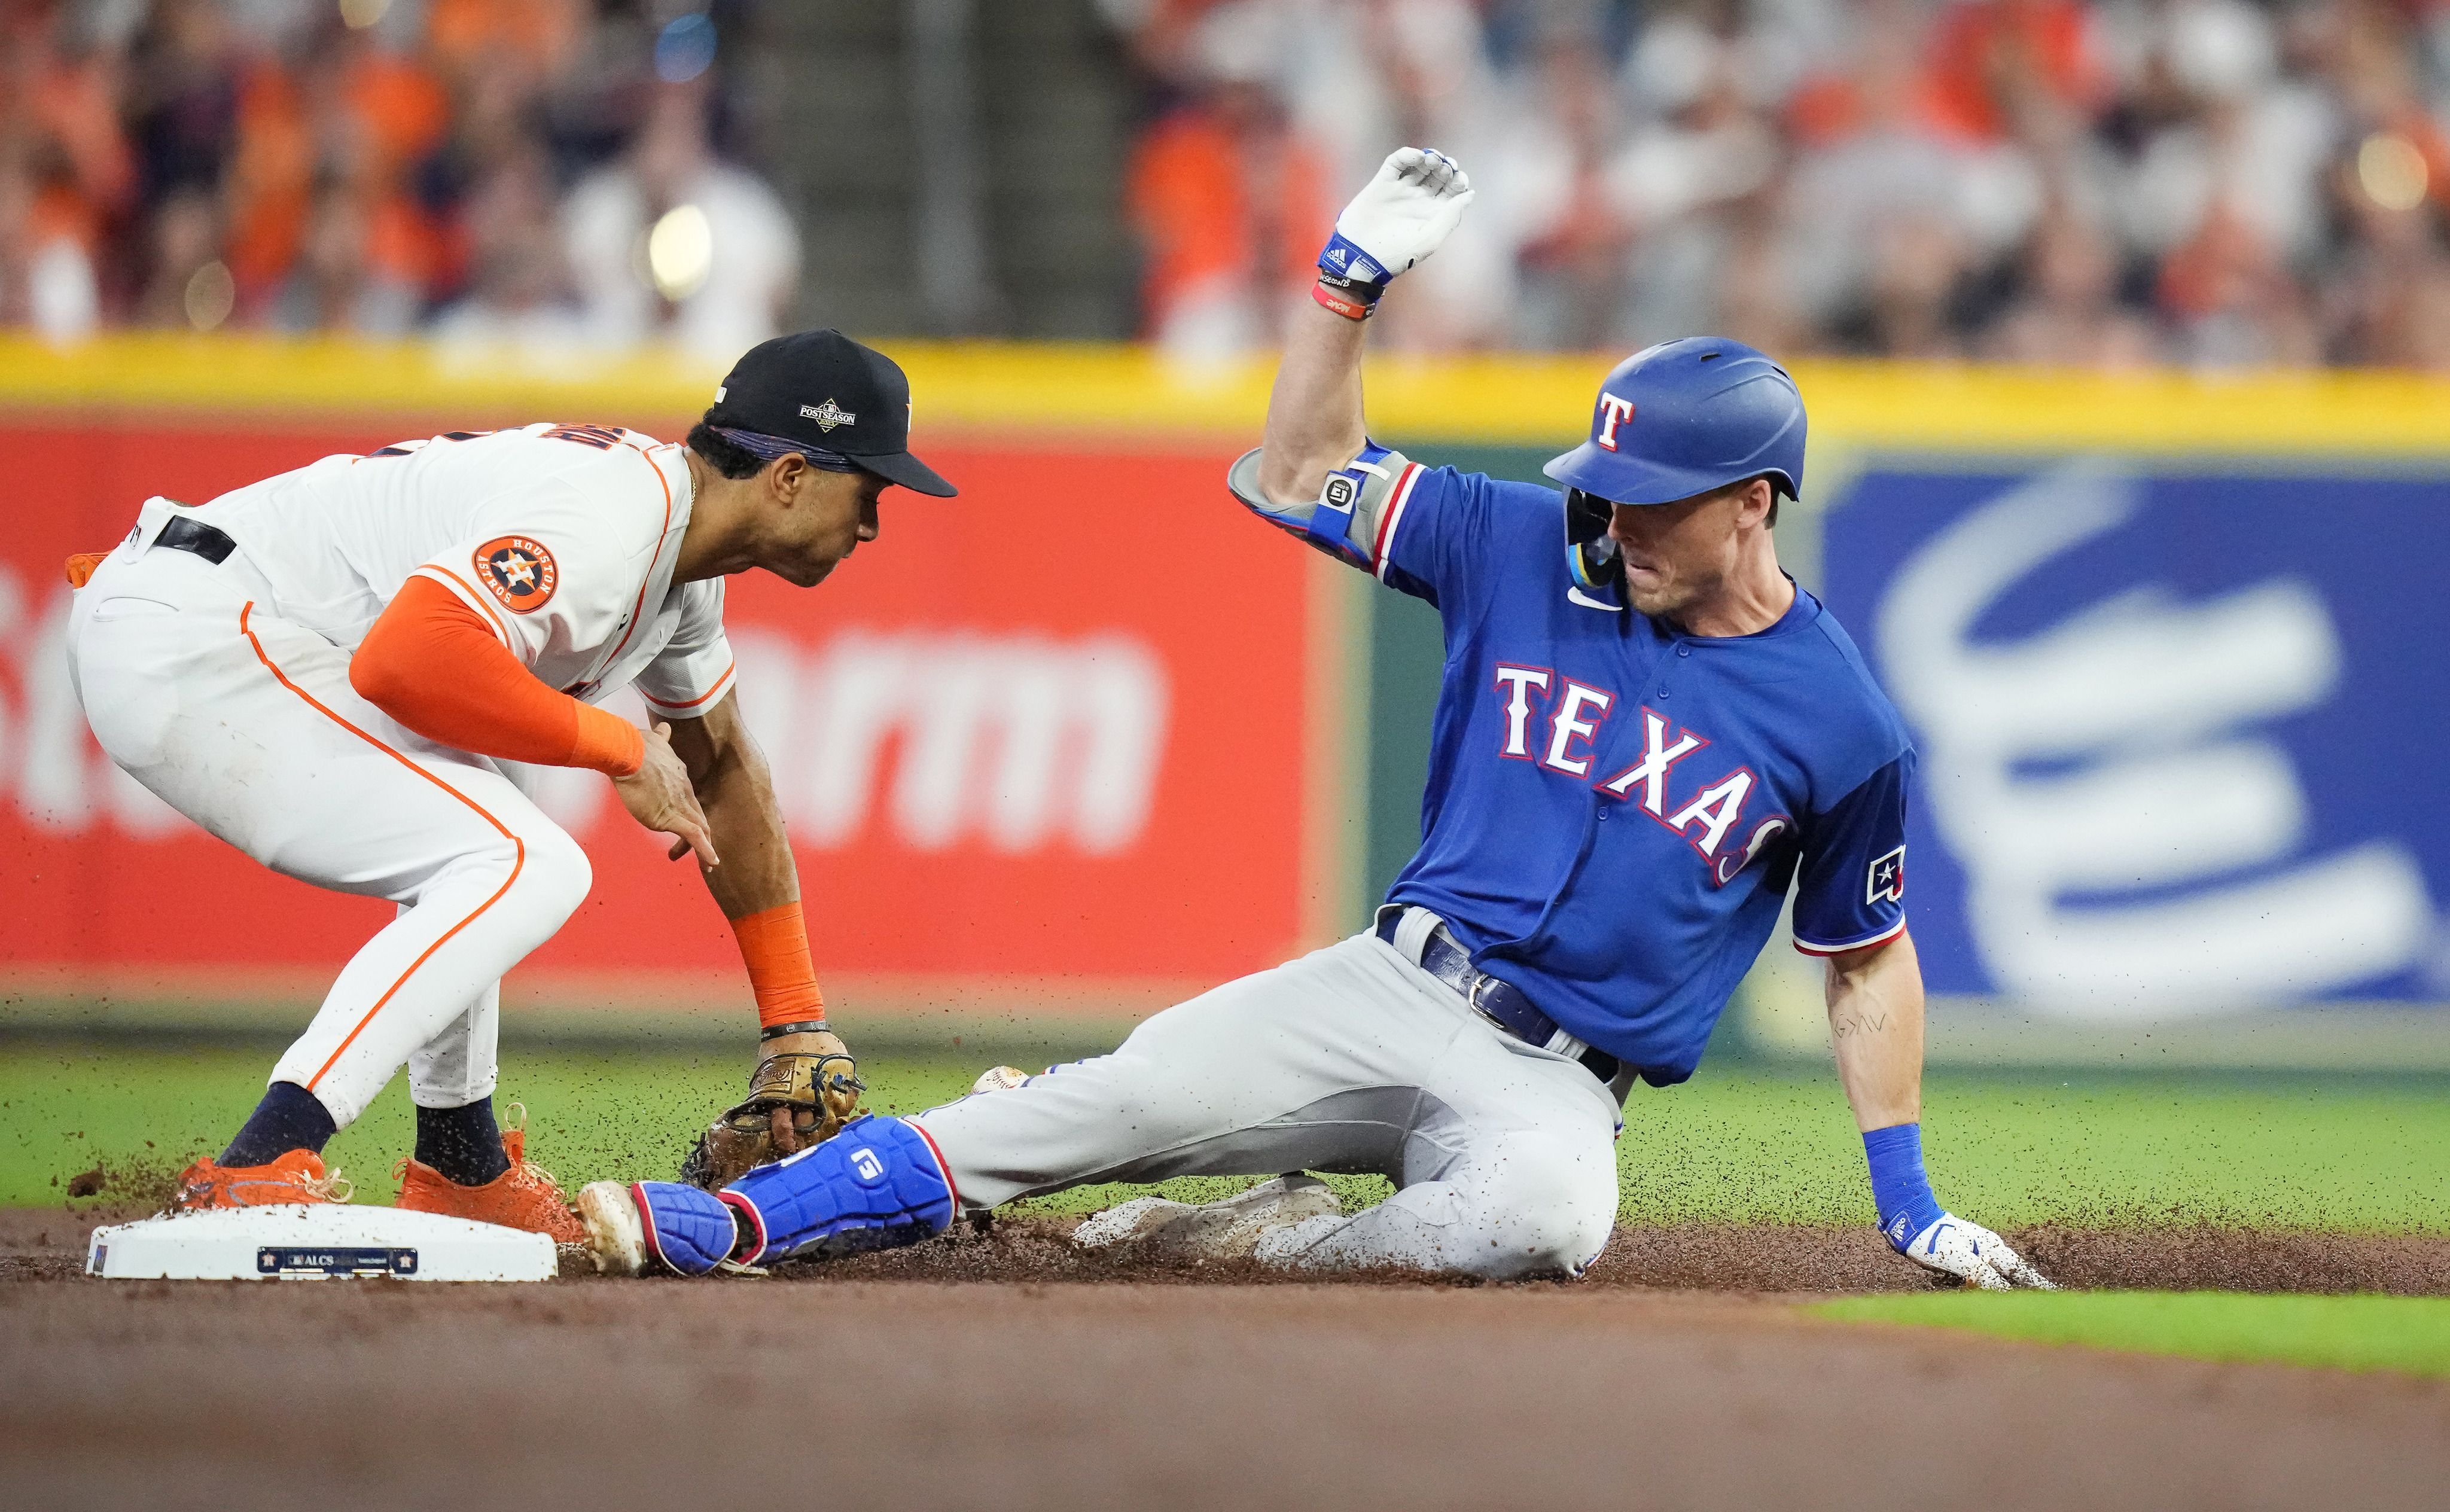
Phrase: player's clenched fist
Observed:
(1399, 217)
(1971, 1253)
(660, 796)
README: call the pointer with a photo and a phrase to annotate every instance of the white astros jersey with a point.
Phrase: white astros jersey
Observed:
(562, 537)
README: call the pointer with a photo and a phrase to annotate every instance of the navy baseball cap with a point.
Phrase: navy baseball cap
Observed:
(831, 398)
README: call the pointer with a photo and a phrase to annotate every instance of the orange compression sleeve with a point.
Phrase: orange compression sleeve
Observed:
(774, 943)
(433, 664)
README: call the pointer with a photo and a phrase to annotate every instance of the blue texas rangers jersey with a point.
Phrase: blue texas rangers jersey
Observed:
(1616, 809)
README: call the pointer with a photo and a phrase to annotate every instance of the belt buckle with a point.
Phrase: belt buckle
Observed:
(1471, 1000)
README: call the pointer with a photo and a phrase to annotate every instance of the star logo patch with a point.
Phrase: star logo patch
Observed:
(1886, 878)
(519, 571)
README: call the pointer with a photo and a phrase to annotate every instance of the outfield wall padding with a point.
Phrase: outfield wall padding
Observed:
(2242, 819)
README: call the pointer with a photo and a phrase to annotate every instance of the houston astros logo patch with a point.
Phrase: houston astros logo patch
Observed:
(519, 571)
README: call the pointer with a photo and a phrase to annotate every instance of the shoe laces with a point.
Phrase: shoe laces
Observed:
(518, 1124)
(331, 1186)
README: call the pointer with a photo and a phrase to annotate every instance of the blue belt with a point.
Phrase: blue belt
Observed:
(1494, 999)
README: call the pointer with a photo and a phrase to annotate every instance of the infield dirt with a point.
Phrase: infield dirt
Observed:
(1008, 1371)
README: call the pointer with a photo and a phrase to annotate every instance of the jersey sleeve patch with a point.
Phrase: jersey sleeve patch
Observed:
(519, 571)
(1851, 889)
(1886, 878)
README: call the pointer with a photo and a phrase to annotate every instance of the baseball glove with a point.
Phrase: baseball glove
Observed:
(821, 1093)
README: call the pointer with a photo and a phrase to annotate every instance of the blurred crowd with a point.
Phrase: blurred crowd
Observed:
(2084, 183)
(556, 173)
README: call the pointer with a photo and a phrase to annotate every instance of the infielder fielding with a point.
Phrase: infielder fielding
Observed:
(339, 670)
(1646, 735)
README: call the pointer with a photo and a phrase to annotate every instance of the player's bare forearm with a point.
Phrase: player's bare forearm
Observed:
(736, 790)
(1876, 1023)
(1314, 421)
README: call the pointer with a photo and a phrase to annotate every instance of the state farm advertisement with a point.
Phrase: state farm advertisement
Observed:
(1050, 730)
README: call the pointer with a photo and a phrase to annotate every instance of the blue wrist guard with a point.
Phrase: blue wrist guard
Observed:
(1899, 1186)
(1352, 271)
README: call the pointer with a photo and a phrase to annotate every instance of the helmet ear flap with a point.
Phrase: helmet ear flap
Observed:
(1586, 517)
(1590, 552)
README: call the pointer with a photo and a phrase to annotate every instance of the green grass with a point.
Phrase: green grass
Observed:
(1741, 1144)
(2407, 1335)
(2306, 1152)
(67, 1104)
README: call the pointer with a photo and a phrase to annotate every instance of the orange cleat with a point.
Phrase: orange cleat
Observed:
(298, 1177)
(525, 1196)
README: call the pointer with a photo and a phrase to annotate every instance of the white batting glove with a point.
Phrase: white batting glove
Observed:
(1971, 1253)
(1400, 215)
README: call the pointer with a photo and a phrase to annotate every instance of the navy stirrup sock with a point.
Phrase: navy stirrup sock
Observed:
(287, 1118)
(462, 1143)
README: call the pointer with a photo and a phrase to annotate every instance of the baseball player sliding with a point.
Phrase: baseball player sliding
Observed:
(339, 671)
(1647, 734)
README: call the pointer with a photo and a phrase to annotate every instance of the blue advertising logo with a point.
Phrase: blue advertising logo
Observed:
(2181, 731)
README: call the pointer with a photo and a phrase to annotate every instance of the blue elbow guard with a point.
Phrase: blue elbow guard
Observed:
(874, 1185)
(1343, 520)
(1337, 525)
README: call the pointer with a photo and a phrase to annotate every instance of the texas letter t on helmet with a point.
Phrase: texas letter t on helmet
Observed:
(1686, 416)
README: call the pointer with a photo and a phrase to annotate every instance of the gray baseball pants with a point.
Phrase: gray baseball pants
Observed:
(1350, 1060)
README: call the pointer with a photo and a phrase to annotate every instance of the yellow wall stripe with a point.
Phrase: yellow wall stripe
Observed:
(1125, 392)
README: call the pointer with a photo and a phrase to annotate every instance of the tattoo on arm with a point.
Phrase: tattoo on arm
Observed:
(1845, 1025)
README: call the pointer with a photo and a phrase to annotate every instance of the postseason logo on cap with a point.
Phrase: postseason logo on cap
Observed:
(828, 414)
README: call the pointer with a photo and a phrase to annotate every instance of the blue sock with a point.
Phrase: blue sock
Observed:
(1900, 1186)
(287, 1118)
(463, 1143)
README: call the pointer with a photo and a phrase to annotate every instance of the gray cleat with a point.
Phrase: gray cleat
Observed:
(616, 1240)
(1161, 1228)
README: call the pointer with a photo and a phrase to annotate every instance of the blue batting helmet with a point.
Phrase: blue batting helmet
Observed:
(1686, 416)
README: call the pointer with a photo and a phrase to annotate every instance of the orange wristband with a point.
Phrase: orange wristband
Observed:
(775, 945)
(1350, 308)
